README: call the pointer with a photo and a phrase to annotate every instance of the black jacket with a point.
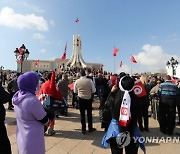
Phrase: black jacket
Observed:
(4, 98)
(134, 110)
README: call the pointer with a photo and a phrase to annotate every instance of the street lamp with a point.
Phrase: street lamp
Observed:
(173, 64)
(21, 54)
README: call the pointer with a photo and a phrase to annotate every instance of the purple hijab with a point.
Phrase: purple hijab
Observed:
(28, 82)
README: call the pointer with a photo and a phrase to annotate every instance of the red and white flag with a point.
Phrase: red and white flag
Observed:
(139, 89)
(77, 20)
(36, 63)
(64, 54)
(121, 64)
(115, 51)
(133, 59)
(58, 66)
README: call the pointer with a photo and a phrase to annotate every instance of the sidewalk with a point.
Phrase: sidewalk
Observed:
(70, 140)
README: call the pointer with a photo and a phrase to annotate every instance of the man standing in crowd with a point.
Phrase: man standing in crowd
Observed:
(63, 87)
(100, 85)
(12, 88)
(168, 93)
(84, 88)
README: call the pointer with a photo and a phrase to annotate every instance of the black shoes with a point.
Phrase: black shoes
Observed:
(146, 129)
(83, 132)
(92, 130)
(57, 116)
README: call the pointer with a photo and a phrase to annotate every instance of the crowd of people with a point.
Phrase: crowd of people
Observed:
(38, 98)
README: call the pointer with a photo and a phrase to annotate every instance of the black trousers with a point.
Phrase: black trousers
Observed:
(5, 147)
(85, 105)
(143, 115)
(178, 109)
(10, 102)
(167, 116)
(132, 148)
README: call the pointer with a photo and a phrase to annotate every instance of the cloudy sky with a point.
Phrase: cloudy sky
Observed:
(149, 30)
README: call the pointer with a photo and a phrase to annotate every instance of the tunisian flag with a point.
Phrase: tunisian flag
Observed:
(77, 20)
(115, 51)
(121, 64)
(36, 63)
(139, 89)
(133, 59)
(64, 54)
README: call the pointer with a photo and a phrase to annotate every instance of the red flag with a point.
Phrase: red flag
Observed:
(121, 64)
(64, 54)
(115, 51)
(139, 89)
(77, 20)
(71, 86)
(133, 59)
(59, 66)
(36, 63)
(21, 50)
(20, 61)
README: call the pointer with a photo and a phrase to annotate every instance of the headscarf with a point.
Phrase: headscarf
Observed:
(125, 113)
(28, 82)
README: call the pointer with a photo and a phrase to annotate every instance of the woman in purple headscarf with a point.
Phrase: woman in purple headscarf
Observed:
(30, 116)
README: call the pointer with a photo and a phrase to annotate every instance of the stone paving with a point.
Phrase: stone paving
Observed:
(69, 139)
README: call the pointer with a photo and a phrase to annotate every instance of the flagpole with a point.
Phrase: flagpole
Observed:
(77, 20)
(131, 68)
(114, 64)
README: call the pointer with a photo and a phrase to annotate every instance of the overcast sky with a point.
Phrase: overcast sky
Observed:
(149, 30)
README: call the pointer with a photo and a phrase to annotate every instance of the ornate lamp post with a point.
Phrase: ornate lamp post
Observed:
(173, 64)
(21, 54)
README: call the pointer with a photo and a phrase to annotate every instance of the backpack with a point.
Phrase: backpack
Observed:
(105, 112)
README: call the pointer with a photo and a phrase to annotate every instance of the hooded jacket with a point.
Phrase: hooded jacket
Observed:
(29, 111)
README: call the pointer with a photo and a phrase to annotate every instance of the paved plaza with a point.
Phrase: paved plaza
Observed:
(69, 139)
